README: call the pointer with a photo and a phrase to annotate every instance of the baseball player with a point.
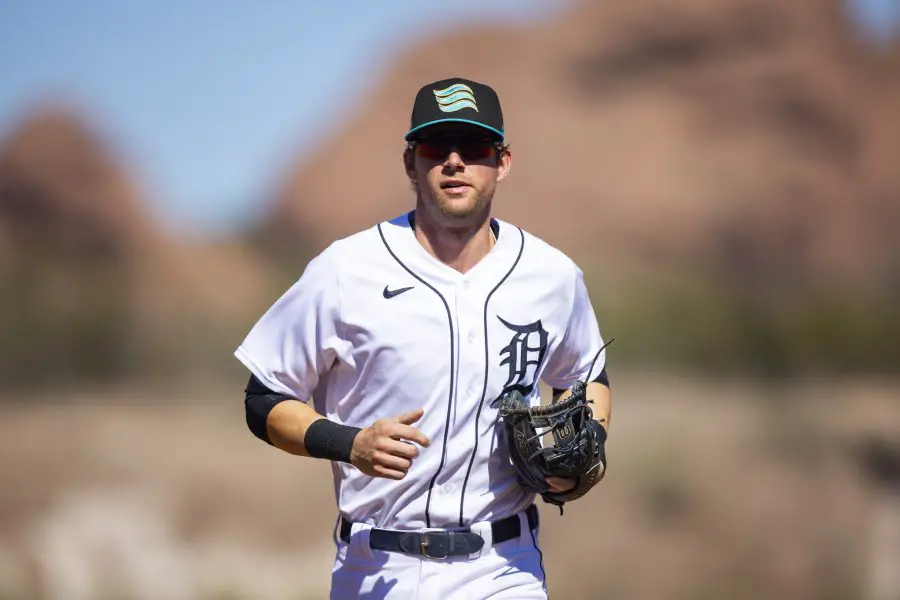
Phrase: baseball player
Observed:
(390, 354)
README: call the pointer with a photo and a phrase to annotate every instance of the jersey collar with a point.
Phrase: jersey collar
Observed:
(399, 235)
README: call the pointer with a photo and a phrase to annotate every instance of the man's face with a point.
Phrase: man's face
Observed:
(456, 170)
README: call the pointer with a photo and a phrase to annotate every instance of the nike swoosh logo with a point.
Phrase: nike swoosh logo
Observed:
(391, 293)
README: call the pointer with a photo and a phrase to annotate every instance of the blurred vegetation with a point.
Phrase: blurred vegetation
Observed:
(707, 327)
(62, 326)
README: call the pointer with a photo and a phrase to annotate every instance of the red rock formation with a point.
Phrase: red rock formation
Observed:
(89, 285)
(62, 194)
(755, 136)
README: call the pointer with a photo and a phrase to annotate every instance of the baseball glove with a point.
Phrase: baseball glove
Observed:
(578, 443)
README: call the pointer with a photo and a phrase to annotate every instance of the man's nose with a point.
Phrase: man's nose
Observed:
(454, 160)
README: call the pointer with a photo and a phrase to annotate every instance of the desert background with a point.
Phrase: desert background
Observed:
(726, 172)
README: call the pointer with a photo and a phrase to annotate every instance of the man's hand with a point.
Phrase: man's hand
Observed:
(601, 409)
(382, 449)
(559, 485)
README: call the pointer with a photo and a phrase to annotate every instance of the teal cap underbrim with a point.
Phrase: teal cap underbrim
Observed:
(470, 122)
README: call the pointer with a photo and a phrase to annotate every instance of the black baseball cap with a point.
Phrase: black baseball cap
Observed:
(456, 101)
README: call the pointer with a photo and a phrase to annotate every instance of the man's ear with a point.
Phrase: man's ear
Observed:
(504, 164)
(409, 164)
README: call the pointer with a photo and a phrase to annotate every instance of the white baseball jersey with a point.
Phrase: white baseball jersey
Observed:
(376, 326)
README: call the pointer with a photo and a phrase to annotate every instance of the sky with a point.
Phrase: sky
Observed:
(879, 18)
(208, 102)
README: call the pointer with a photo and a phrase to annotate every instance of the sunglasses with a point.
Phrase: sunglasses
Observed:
(469, 148)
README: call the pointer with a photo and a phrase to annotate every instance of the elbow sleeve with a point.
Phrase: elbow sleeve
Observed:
(259, 401)
(602, 378)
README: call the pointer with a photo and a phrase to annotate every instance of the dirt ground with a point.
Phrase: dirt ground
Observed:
(716, 489)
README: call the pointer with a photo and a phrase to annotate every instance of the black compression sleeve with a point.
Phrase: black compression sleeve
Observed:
(601, 378)
(259, 401)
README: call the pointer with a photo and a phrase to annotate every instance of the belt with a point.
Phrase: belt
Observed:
(443, 543)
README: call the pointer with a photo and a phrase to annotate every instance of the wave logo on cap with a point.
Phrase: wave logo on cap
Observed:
(456, 97)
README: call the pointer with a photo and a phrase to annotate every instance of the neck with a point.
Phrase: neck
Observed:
(459, 248)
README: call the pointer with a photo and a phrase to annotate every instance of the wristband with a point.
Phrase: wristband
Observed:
(327, 439)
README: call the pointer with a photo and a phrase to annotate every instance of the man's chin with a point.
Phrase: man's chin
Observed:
(460, 206)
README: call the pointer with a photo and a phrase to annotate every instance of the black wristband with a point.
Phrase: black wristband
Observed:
(327, 439)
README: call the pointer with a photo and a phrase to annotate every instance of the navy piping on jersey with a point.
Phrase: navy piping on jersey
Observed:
(452, 374)
(462, 497)
(334, 534)
(540, 557)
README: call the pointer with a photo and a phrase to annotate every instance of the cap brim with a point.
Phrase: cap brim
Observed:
(412, 131)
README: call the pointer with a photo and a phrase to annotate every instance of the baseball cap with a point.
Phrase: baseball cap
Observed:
(456, 101)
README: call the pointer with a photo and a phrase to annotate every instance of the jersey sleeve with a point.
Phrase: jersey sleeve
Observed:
(578, 356)
(300, 336)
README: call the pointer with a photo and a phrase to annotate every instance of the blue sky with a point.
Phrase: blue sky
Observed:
(879, 18)
(208, 101)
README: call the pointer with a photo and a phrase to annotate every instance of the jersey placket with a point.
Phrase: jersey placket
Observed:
(467, 312)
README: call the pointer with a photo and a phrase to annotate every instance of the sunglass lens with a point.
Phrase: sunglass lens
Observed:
(475, 149)
(469, 149)
(432, 150)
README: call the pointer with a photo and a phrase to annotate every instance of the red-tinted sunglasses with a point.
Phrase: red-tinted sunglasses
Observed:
(469, 148)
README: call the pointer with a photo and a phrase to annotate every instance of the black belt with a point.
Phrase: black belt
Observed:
(441, 544)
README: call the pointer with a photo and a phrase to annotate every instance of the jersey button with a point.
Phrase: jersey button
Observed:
(448, 488)
(471, 337)
(465, 285)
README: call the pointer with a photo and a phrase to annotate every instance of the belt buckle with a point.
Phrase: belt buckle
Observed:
(425, 544)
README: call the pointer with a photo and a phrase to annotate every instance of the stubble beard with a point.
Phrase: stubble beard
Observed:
(457, 211)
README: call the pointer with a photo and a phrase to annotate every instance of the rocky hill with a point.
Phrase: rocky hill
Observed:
(62, 193)
(754, 138)
(88, 282)
(724, 171)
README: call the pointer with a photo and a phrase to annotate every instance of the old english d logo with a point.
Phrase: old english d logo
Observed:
(525, 350)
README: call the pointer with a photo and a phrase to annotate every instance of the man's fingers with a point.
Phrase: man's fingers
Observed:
(388, 473)
(408, 418)
(408, 432)
(402, 449)
(560, 484)
(397, 463)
